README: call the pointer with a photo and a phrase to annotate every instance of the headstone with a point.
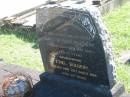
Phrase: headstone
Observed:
(72, 46)
(76, 53)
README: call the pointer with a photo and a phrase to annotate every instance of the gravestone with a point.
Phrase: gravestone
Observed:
(76, 53)
(71, 46)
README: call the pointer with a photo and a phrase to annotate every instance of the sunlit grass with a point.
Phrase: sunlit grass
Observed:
(118, 23)
(15, 49)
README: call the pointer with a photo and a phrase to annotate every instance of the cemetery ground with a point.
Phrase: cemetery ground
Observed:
(19, 46)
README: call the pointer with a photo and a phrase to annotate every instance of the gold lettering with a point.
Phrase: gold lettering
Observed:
(81, 72)
(60, 62)
(81, 77)
(71, 59)
(84, 67)
(66, 69)
(79, 66)
(93, 75)
(65, 73)
(58, 67)
(73, 70)
(71, 64)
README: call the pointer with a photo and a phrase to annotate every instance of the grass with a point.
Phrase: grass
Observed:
(20, 47)
(118, 23)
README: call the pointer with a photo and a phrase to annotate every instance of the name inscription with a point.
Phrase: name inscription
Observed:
(70, 62)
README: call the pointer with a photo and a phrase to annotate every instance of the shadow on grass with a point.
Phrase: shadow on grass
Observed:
(25, 33)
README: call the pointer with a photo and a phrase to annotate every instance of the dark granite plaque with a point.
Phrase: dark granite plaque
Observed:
(72, 47)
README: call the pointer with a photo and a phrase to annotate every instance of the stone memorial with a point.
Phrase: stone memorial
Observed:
(76, 53)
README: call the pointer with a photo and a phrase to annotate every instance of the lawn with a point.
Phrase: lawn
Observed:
(118, 23)
(20, 47)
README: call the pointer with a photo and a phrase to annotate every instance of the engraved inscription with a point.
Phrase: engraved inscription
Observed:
(69, 62)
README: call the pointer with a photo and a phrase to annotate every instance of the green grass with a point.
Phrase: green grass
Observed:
(118, 23)
(20, 47)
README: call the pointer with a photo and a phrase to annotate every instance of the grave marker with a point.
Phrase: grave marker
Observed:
(76, 52)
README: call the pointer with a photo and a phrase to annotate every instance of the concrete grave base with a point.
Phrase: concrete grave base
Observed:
(57, 86)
